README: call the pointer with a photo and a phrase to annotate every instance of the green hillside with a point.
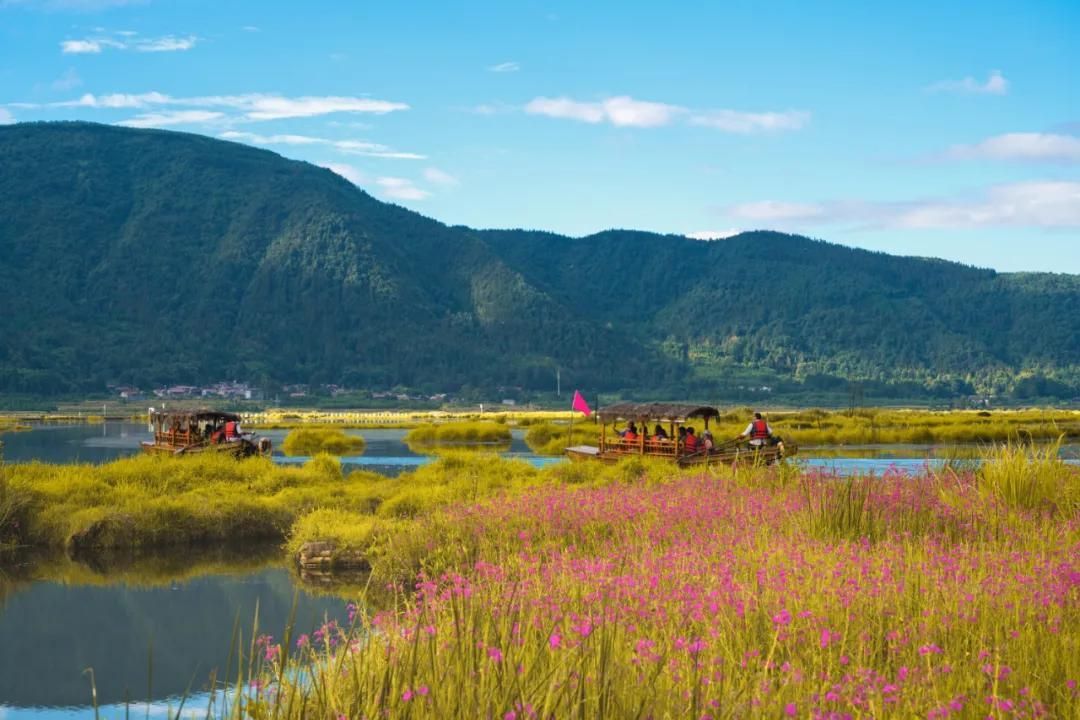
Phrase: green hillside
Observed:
(155, 257)
(143, 257)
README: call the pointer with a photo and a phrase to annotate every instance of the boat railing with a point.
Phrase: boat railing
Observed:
(658, 448)
(175, 437)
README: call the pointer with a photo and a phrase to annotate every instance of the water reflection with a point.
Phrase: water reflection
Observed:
(59, 617)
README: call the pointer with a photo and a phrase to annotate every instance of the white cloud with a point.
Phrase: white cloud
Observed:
(734, 121)
(80, 47)
(251, 28)
(118, 100)
(1035, 204)
(566, 108)
(435, 176)
(171, 117)
(165, 44)
(349, 172)
(1022, 147)
(400, 189)
(6, 118)
(68, 81)
(995, 84)
(126, 40)
(713, 234)
(491, 109)
(506, 67)
(276, 107)
(1029, 204)
(776, 210)
(621, 111)
(251, 106)
(625, 111)
(351, 147)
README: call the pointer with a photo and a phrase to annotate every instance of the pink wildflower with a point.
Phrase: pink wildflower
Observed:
(555, 641)
(495, 654)
(790, 710)
(407, 695)
(782, 618)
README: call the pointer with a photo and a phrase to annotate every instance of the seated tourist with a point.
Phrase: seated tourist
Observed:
(630, 433)
(659, 433)
(691, 441)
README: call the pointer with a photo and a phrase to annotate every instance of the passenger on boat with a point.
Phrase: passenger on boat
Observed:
(659, 433)
(691, 441)
(758, 431)
(232, 431)
(630, 433)
(707, 441)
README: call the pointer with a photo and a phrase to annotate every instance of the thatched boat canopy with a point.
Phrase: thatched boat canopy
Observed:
(197, 415)
(658, 412)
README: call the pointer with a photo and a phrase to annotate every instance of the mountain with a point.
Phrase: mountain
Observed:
(142, 257)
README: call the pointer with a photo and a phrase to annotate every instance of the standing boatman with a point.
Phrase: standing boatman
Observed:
(758, 431)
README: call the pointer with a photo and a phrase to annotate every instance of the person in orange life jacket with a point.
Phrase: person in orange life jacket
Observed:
(232, 431)
(690, 441)
(630, 433)
(758, 431)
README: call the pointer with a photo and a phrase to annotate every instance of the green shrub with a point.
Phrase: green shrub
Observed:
(311, 441)
(459, 432)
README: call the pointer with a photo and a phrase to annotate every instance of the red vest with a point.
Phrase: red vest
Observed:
(230, 430)
(760, 430)
(629, 436)
(691, 442)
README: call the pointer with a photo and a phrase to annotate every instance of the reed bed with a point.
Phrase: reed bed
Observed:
(553, 439)
(459, 433)
(871, 426)
(155, 501)
(312, 441)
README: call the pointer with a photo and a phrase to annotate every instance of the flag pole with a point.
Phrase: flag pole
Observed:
(570, 440)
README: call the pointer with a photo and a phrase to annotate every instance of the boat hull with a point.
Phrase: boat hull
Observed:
(726, 456)
(239, 449)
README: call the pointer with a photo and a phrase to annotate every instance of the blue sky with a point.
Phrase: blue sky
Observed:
(918, 128)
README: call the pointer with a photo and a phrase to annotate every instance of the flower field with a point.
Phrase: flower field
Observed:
(743, 594)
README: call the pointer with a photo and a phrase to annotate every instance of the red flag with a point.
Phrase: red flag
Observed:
(580, 405)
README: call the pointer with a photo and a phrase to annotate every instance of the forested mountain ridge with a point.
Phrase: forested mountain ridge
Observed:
(141, 257)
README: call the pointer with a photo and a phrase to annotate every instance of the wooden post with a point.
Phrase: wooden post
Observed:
(603, 436)
(641, 441)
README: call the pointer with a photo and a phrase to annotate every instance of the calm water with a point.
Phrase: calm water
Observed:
(59, 617)
(386, 451)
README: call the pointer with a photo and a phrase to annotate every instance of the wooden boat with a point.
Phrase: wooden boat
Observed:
(190, 432)
(673, 415)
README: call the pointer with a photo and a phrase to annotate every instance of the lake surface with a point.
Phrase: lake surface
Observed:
(174, 615)
(59, 617)
(387, 453)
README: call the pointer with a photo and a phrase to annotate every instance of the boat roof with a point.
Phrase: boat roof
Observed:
(201, 414)
(666, 412)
